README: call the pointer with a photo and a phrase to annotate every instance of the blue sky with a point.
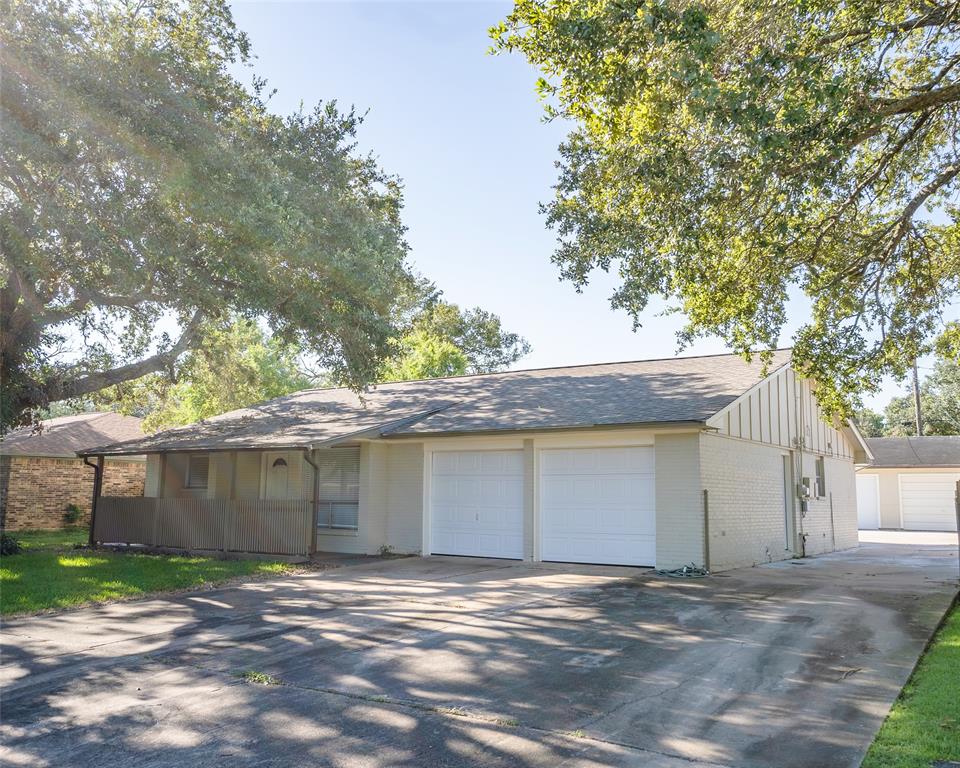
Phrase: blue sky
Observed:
(463, 129)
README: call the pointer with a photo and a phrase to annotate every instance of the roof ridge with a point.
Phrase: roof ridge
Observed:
(544, 368)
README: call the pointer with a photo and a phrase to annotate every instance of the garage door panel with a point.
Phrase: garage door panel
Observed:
(597, 505)
(927, 501)
(593, 462)
(477, 503)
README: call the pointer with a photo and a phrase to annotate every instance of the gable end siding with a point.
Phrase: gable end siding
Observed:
(779, 410)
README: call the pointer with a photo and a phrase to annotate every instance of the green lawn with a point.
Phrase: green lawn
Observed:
(51, 573)
(924, 725)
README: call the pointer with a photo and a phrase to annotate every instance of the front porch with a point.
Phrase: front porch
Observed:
(279, 502)
(261, 526)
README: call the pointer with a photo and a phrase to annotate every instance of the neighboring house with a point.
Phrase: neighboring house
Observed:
(656, 462)
(910, 484)
(40, 474)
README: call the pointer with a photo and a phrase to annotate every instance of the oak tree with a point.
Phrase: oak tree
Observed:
(725, 154)
(145, 192)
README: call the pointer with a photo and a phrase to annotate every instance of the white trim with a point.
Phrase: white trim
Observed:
(899, 498)
(586, 438)
(876, 485)
(537, 527)
(427, 517)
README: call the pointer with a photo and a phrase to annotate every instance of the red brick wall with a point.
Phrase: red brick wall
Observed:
(35, 490)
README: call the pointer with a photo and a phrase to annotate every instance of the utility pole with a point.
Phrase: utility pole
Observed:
(916, 399)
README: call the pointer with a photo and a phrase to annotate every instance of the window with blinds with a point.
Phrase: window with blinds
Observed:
(198, 470)
(821, 477)
(339, 500)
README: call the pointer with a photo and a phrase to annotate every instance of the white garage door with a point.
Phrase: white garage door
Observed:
(477, 503)
(868, 502)
(597, 505)
(926, 502)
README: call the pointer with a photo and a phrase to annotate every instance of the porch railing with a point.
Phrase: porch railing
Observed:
(259, 526)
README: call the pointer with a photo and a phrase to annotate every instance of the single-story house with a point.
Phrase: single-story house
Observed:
(706, 460)
(41, 476)
(910, 484)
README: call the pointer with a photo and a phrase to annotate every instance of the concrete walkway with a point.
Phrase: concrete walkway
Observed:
(457, 662)
(924, 538)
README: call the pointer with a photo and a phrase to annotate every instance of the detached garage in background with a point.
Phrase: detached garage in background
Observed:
(910, 484)
(706, 460)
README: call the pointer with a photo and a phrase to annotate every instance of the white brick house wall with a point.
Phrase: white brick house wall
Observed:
(744, 482)
(679, 500)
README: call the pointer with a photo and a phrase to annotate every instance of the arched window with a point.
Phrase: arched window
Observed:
(280, 463)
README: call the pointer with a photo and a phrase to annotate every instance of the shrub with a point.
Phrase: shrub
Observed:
(72, 515)
(9, 545)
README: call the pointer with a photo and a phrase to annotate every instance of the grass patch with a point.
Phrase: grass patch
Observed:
(259, 678)
(64, 538)
(51, 573)
(923, 726)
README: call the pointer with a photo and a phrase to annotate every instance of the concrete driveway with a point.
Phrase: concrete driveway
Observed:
(456, 662)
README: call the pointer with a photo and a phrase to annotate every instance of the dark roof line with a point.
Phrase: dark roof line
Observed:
(544, 368)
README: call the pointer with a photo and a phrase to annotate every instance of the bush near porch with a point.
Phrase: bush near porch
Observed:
(54, 571)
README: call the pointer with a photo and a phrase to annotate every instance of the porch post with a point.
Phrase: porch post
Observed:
(97, 488)
(316, 499)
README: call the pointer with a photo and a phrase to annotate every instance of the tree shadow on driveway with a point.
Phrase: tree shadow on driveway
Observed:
(452, 661)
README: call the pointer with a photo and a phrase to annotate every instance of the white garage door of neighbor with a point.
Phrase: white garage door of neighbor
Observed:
(926, 502)
(598, 505)
(477, 503)
(868, 502)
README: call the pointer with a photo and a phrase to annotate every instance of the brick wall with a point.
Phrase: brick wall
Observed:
(679, 500)
(35, 490)
(831, 521)
(744, 480)
(745, 483)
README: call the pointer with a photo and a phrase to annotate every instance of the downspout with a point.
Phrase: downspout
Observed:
(801, 536)
(706, 529)
(97, 487)
(316, 498)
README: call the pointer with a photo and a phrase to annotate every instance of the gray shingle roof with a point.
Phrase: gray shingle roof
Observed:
(66, 435)
(683, 389)
(932, 451)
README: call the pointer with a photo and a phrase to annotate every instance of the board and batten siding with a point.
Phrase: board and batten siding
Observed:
(742, 471)
(777, 411)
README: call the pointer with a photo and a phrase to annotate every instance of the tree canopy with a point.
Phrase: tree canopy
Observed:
(236, 365)
(477, 333)
(424, 354)
(725, 154)
(939, 404)
(441, 339)
(146, 196)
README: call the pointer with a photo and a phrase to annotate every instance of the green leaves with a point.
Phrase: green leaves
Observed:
(728, 154)
(141, 186)
(444, 340)
(236, 365)
(424, 355)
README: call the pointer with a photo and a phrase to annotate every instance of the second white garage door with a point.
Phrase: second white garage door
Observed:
(477, 503)
(598, 505)
(927, 501)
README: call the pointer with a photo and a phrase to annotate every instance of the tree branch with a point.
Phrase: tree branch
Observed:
(63, 390)
(933, 19)
(919, 102)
